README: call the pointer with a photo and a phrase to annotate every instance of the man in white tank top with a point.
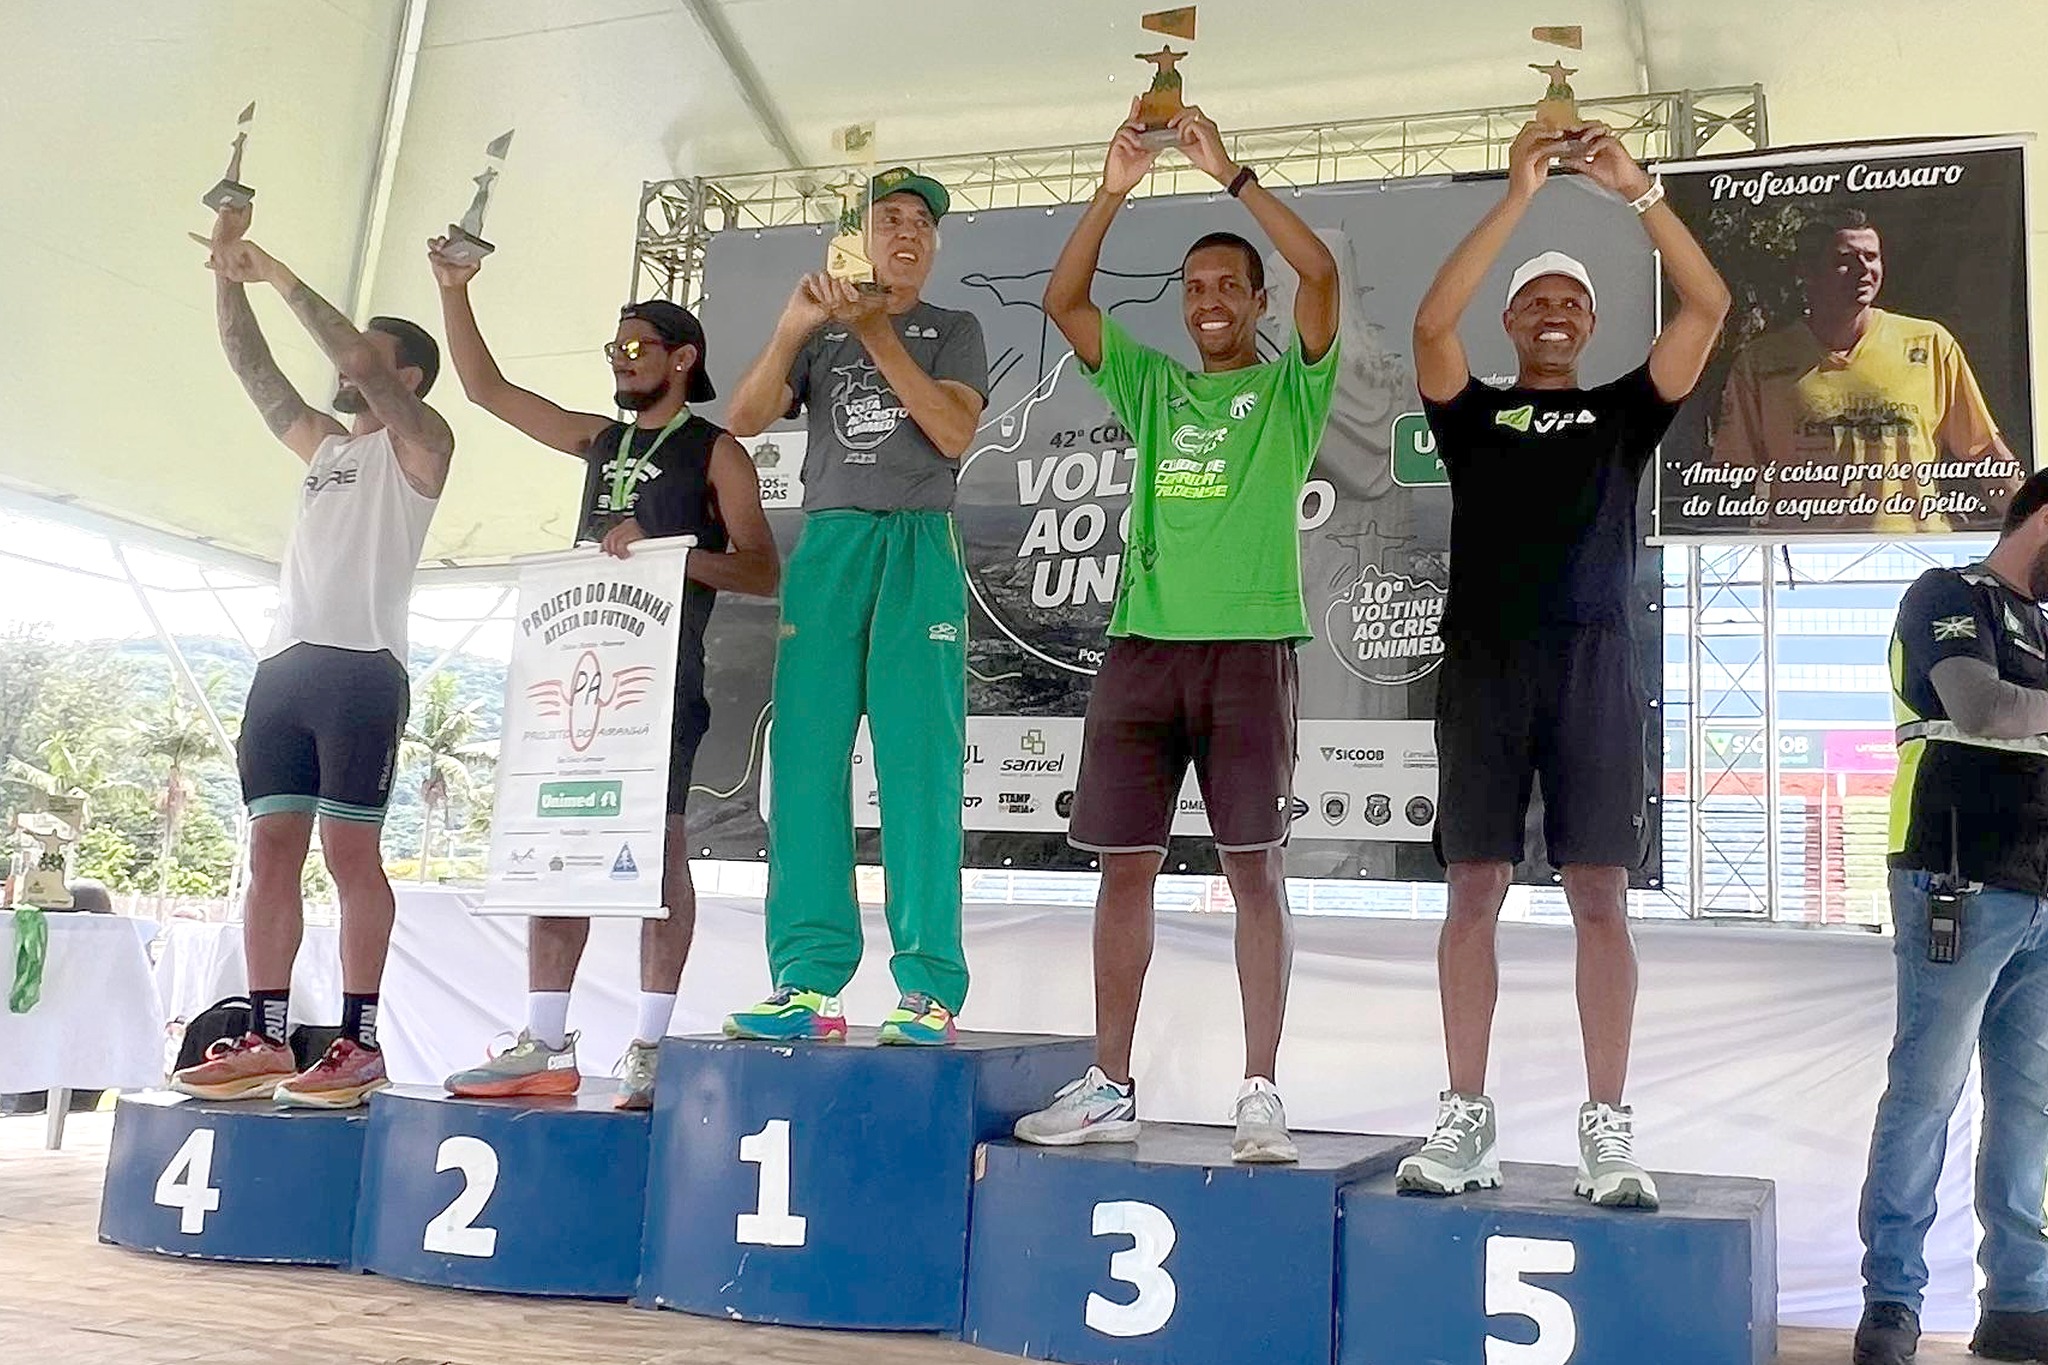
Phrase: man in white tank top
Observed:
(321, 727)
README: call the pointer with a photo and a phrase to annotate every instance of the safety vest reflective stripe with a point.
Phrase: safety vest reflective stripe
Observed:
(1950, 733)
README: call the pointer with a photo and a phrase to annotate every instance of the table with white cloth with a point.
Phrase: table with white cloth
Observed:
(98, 1024)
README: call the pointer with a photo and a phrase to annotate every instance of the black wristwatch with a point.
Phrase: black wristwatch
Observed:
(1245, 176)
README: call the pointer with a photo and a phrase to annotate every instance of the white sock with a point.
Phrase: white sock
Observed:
(655, 1012)
(547, 1018)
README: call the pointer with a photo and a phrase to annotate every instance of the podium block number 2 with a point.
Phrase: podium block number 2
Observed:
(772, 1225)
(1142, 1265)
(186, 1183)
(1508, 1259)
(452, 1231)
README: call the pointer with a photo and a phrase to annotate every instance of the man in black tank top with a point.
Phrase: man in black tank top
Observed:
(668, 473)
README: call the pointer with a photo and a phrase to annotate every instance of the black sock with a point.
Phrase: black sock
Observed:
(359, 1019)
(267, 1013)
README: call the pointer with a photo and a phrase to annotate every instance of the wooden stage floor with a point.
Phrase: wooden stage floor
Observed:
(65, 1298)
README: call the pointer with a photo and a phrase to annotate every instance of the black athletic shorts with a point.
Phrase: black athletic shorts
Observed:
(320, 732)
(692, 719)
(1226, 706)
(1566, 706)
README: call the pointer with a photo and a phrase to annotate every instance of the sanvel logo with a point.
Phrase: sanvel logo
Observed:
(582, 701)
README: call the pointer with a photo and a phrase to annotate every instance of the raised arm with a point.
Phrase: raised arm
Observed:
(1067, 300)
(1315, 303)
(1441, 370)
(764, 395)
(1682, 349)
(290, 418)
(482, 381)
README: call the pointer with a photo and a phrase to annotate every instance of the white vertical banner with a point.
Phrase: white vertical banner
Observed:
(583, 752)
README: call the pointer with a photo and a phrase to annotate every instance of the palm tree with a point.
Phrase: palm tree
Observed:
(177, 733)
(438, 738)
(72, 762)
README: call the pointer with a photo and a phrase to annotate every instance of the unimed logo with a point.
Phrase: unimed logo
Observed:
(579, 798)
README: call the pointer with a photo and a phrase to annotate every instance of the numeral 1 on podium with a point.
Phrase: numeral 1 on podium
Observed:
(773, 1225)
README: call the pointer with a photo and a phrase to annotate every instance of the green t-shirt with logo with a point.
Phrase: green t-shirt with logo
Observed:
(1213, 553)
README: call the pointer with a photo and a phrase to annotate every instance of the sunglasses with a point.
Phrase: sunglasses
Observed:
(631, 349)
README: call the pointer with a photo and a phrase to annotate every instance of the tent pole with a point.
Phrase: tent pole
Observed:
(463, 643)
(377, 205)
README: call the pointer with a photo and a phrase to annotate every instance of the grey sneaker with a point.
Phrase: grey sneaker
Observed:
(1459, 1156)
(1092, 1109)
(528, 1067)
(1608, 1172)
(636, 1076)
(1261, 1136)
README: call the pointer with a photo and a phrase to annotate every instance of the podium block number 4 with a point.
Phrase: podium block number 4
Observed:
(1142, 1265)
(1508, 1259)
(773, 1225)
(452, 1231)
(186, 1184)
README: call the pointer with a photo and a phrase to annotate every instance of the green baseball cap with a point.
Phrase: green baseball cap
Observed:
(903, 180)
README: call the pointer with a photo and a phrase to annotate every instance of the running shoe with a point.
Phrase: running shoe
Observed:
(1092, 1109)
(791, 1016)
(1261, 1136)
(1459, 1155)
(1609, 1174)
(342, 1079)
(244, 1068)
(528, 1067)
(636, 1076)
(1888, 1335)
(920, 1020)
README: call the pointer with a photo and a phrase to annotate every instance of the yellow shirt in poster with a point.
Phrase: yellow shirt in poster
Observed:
(1903, 394)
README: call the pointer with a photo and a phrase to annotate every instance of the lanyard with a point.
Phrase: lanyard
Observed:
(624, 476)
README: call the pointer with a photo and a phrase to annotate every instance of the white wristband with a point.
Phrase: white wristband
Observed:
(1651, 197)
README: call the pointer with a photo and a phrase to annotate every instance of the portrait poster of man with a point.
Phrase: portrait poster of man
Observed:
(1873, 379)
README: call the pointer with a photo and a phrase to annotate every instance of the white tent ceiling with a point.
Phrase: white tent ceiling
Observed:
(115, 116)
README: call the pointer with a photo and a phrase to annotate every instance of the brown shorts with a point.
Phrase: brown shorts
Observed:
(1226, 706)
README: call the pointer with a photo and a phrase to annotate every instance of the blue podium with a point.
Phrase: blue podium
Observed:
(539, 1196)
(827, 1185)
(1532, 1275)
(242, 1181)
(1162, 1250)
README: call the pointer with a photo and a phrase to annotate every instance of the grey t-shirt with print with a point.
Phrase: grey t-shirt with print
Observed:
(865, 451)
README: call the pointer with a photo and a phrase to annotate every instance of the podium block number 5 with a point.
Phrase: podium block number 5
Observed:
(773, 1225)
(1142, 1265)
(1508, 1259)
(186, 1184)
(452, 1232)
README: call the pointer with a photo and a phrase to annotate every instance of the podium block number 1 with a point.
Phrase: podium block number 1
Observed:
(1508, 1259)
(186, 1183)
(1142, 1265)
(772, 1225)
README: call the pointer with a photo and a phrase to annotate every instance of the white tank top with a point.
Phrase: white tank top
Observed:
(346, 580)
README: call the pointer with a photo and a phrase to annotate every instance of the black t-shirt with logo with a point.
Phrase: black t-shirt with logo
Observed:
(1543, 502)
(671, 496)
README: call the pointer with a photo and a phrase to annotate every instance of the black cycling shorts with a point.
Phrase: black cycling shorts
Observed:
(320, 732)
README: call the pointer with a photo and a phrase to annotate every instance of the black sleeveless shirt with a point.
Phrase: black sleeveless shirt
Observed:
(671, 496)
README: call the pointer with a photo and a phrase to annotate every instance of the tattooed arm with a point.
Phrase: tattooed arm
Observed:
(289, 417)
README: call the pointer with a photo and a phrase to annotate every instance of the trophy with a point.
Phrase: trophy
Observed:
(1161, 101)
(231, 193)
(465, 245)
(846, 256)
(1558, 110)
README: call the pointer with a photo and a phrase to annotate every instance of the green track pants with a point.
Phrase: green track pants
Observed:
(874, 620)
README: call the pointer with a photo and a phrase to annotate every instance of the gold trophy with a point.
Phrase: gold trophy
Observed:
(846, 256)
(466, 245)
(1161, 101)
(1558, 110)
(231, 193)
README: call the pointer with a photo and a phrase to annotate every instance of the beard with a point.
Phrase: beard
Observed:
(641, 400)
(349, 399)
(2037, 577)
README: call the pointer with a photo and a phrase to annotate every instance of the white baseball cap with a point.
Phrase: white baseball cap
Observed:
(1552, 263)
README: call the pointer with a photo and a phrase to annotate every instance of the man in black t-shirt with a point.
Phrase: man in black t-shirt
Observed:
(1538, 677)
(670, 473)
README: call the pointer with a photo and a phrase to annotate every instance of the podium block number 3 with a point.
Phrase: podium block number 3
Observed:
(452, 1231)
(186, 1184)
(773, 1225)
(1142, 1265)
(1508, 1259)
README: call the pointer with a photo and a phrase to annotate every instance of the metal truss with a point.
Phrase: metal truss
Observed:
(677, 217)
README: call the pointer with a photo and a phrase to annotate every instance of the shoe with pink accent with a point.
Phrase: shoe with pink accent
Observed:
(244, 1068)
(339, 1080)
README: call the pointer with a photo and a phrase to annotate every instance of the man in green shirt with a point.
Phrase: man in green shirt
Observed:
(1201, 661)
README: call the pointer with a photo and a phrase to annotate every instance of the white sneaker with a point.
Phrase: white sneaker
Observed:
(1458, 1156)
(1092, 1109)
(1261, 1137)
(1609, 1174)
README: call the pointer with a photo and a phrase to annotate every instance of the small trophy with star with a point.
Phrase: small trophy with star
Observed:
(466, 244)
(231, 193)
